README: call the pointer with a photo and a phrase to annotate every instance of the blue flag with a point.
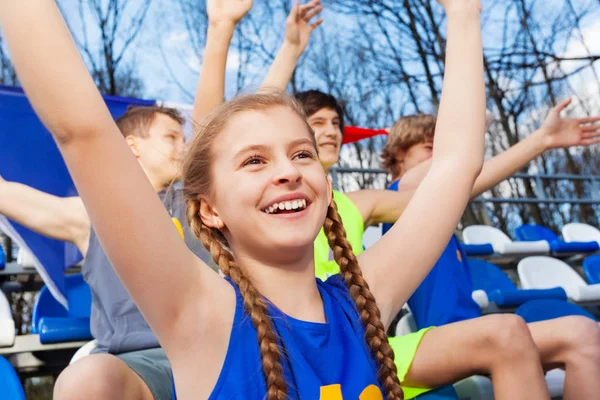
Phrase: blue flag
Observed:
(29, 155)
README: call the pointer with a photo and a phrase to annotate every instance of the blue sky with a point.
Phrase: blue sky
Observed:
(169, 66)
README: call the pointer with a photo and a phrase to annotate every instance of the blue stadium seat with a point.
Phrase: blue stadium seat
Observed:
(2, 258)
(478, 249)
(542, 310)
(441, 393)
(501, 290)
(591, 268)
(529, 233)
(10, 385)
(56, 324)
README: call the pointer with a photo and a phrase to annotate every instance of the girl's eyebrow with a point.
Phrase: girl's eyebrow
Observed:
(261, 147)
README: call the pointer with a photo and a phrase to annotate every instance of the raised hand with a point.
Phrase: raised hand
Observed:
(460, 4)
(298, 26)
(566, 132)
(231, 11)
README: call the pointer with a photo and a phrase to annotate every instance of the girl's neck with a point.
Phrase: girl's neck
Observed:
(291, 288)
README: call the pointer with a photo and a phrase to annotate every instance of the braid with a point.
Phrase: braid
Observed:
(370, 316)
(254, 303)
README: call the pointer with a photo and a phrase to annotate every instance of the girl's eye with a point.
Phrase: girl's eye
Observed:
(254, 160)
(304, 154)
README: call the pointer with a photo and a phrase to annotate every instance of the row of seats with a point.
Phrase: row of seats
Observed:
(541, 277)
(538, 299)
(482, 240)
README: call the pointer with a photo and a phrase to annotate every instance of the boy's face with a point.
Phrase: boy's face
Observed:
(416, 154)
(328, 134)
(161, 153)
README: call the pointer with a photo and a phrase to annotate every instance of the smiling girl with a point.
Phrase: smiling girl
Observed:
(257, 197)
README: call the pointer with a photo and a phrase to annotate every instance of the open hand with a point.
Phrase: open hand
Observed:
(298, 26)
(227, 10)
(566, 132)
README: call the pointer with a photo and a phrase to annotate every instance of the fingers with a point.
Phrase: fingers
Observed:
(312, 13)
(588, 142)
(295, 13)
(309, 10)
(562, 105)
(591, 128)
(314, 26)
(588, 120)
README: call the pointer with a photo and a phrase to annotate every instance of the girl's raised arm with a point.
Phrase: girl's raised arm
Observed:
(163, 276)
(402, 258)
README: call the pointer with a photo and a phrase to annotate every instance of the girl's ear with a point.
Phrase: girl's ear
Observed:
(210, 215)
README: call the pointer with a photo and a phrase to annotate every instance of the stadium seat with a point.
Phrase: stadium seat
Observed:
(591, 268)
(25, 259)
(473, 250)
(527, 233)
(543, 310)
(541, 272)
(578, 232)
(10, 384)
(7, 323)
(442, 393)
(498, 287)
(501, 244)
(83, 351)
(2, 258)
(56, 324)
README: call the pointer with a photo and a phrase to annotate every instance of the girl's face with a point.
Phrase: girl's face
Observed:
(269, 192)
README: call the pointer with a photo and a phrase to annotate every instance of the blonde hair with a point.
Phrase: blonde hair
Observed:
(197, 181)
(405, 133)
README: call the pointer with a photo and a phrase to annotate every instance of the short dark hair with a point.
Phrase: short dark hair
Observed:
(315, 100)
(137, 120)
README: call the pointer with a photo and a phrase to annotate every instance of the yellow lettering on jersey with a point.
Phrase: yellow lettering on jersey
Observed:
(371, 392)
(331, 392)
(334, 392)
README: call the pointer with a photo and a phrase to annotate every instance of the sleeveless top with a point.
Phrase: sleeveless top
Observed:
(327, 361)
(325, 265)
(445, 294)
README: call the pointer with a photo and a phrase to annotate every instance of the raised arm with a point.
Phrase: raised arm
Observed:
(402, 258)
(134, 228)
(556, 132)
(297, 33)
(381, 206)
(223, 16)
(60, 218)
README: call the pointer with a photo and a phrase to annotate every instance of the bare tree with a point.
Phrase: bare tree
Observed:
(105, 32)
(7, 72)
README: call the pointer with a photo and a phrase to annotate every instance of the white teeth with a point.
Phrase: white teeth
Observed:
(287, 205)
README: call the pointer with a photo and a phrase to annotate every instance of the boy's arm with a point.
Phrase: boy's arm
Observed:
(297, 34)
(401, 259)
(223, 16)
(556, 132)
(60, 218)
(133, 226)
(380, 206)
